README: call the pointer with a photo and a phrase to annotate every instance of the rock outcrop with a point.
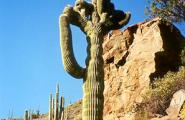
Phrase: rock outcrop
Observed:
(132, 59)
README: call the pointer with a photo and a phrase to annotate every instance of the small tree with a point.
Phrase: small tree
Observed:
(172, 10)
(95, 20)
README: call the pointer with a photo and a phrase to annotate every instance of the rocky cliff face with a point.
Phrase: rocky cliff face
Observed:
(132, 59)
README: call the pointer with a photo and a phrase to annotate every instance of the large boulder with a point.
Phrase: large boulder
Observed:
(133, 58)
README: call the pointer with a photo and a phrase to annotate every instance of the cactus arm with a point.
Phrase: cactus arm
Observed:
(84, 8)
(74, 17)
(125, 20)
(103, 6)
(113, 19)
(120, 20)
(69, 61)
(100, 6)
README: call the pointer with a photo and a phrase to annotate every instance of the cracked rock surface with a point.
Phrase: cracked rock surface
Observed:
(132, 59)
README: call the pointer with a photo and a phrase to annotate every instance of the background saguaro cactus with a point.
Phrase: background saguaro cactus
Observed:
(56, 116)
(61, 113)
(95, 19)
(26, 115)
(56, 107)
(51, 107)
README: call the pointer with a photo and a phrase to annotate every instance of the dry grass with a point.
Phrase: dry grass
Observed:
(162, 90)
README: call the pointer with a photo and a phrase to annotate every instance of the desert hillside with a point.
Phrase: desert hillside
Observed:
(143, 68)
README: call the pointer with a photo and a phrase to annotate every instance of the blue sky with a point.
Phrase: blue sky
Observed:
(30, 58)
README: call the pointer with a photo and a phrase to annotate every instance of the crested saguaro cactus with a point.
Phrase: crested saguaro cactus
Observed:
(95, 19)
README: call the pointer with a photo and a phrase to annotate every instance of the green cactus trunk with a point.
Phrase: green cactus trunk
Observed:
(93, 77)
(94, 80)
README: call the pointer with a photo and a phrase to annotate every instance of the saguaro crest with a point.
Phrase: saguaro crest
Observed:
(95, 19)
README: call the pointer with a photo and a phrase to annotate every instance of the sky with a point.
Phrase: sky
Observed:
(30, 56)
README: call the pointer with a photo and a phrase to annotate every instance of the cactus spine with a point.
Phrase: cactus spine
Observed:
(95, 20)
(56, 108)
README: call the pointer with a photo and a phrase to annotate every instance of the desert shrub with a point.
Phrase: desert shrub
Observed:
(162, 90)
(141, 112)
(35, 116)
(183, 56)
